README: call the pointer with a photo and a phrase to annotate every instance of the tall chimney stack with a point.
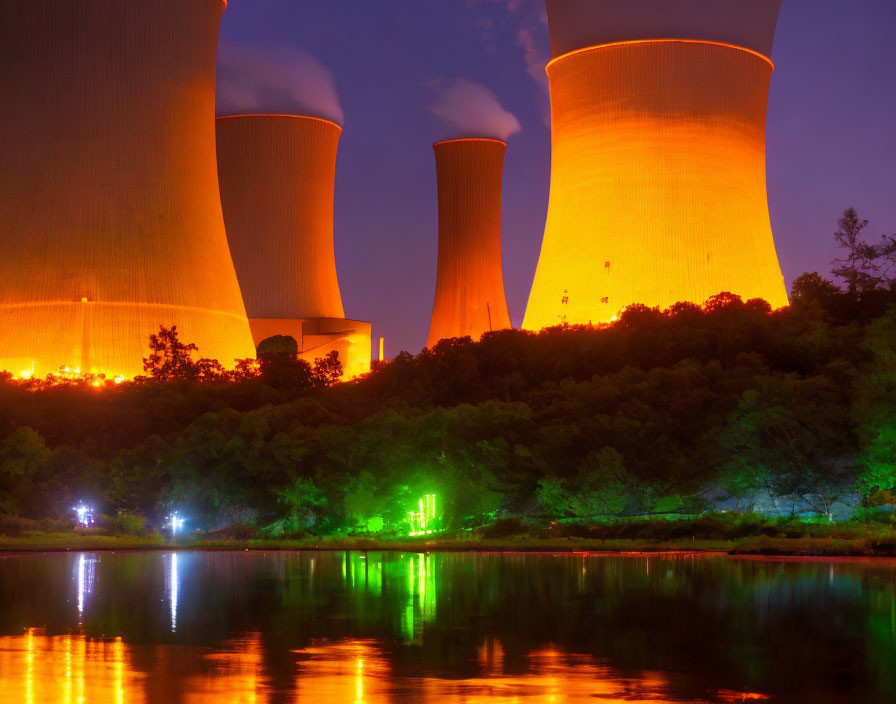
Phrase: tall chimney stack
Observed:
(470, 297)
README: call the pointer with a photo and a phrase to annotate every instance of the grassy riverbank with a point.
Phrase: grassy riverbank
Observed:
(877, 546)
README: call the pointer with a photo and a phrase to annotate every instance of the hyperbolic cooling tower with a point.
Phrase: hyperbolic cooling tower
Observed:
(658, 184)
(110, 218)
(277, 175)
(470, 285)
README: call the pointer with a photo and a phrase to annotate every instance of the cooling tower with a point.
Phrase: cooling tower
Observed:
(110, 217)
(658, 183)
(277, 176)
(470, 285)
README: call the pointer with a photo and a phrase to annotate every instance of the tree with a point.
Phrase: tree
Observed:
(604, 486)
(813, 287)
(327, 371)
(282, 369)
(208, 370)
(858, 268)
(245, 370)
(875, 406)
(887, 252)
(553, 496)
(169, 358)
(302, 501)
(362, 501)
(788, 441)
(21, 456)
(722, 301)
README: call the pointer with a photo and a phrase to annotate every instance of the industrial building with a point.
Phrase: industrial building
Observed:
(110, 216)
(277, 178)
(469, 298)
(658, 182)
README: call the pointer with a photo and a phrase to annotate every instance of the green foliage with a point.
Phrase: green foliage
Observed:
(604, 485)
(22, 455)
(875, 408)
(554, 498)
(125, 523)
(302, 500)
(667, 413)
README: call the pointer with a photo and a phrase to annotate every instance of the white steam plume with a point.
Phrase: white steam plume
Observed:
(275, 80)
(530, 18)
(473, 109)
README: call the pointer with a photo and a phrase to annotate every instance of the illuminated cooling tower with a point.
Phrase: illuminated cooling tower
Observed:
(110, 217)
(470, 285)
(658, 184)
(277, 175)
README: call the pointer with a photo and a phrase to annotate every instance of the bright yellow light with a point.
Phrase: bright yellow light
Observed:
(29, 668)
(658, 184)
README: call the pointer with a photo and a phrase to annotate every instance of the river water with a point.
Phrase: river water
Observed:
(334, 627)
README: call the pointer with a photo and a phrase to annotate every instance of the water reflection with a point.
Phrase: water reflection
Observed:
(69, 669)
(85, 576)
(386, 627)
(359, 672)
(172, 582)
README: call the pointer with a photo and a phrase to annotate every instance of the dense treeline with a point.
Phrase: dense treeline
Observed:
(728, 405)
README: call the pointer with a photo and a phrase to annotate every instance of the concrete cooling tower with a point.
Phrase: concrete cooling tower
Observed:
(470, 297)
(110, 217)
(658, 183)
(277, 176)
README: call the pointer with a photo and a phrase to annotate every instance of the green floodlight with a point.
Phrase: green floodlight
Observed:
(423, 519)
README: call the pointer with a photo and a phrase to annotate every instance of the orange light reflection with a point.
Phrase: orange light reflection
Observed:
(72, 669)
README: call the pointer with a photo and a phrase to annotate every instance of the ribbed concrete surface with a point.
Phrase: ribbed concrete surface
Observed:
(110, 216)
(277, 177)
(470, 296)
(658, 185)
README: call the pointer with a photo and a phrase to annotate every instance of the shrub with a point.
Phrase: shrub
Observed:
(237, 531)
(502, 528)
(125, 524)
(11, 526)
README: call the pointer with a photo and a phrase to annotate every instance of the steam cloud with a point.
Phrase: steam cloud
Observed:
(531, 19)
(473, 109)
(281, 79)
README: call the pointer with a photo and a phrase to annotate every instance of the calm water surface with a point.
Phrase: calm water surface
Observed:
(390, 627)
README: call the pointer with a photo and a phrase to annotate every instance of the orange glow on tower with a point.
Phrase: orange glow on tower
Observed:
(277, 175)
(658, 183)
(470, 284)
(110, 217)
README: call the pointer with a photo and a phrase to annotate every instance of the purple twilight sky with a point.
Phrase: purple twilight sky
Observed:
(402, 74)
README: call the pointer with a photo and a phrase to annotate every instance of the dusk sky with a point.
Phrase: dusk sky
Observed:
(406, 73)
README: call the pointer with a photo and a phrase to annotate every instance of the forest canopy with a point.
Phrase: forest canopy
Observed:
(726, 406)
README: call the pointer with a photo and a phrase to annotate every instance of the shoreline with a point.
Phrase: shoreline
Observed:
(755, 546)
